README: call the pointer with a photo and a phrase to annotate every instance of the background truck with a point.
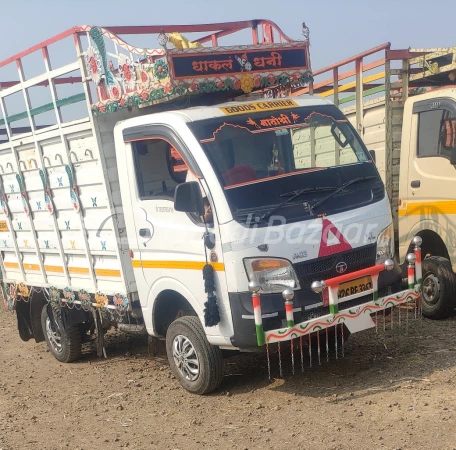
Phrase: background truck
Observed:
(403, 105)
(135, 198)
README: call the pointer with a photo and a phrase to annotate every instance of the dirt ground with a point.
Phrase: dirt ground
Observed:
(392, 392)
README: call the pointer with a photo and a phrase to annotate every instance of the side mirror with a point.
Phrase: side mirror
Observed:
(372, 153)
(188, 198)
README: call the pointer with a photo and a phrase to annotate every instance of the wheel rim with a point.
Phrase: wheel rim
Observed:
(54, 336)
(185, 358)
(431, 289)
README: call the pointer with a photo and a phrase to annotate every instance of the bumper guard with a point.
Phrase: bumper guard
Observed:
(356, 318)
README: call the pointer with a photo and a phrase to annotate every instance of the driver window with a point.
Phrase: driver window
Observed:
(159, 168)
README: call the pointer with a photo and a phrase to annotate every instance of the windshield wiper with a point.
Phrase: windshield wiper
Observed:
(312, 189)
(293, 195)
(340, 189)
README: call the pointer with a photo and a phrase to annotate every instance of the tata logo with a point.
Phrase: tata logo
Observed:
(341, 267)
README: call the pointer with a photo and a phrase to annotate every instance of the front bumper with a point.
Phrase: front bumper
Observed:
(355, 319)
(307, 307)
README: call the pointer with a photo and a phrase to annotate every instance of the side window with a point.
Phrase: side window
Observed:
(177, 167)
(436, 133)
(159, 168)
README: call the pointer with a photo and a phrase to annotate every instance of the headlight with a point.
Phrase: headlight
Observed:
(273, 275)
(385, 245)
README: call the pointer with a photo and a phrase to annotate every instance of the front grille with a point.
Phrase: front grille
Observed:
(359, 255)
(325, 268)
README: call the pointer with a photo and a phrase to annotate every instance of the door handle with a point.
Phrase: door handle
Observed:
(415, 183)
(144, 232)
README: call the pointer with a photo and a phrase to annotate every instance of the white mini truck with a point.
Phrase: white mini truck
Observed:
(168, 210)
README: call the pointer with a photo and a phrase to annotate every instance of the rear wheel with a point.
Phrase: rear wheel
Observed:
(197, 364)
(439, 288)
(63, 343)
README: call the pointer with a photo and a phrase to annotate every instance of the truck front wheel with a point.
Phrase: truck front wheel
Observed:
(197, 364)
(439, 288)
(63, 343)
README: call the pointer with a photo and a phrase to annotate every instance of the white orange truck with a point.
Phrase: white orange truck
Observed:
(403, 105)
(143, 197)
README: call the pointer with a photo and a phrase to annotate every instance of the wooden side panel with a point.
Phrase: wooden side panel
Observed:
(375, 136)
(323, 151)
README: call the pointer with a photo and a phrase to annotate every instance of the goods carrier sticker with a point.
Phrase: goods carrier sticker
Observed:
(3, 225)
(248, 108)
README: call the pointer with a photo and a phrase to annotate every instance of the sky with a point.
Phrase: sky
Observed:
(338, 28)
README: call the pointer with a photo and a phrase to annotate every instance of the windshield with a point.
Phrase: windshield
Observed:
(282, 150)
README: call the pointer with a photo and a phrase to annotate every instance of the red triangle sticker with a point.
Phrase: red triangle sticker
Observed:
(326, 246)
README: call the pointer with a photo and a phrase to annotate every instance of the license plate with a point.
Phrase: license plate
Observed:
(355, 287)
(3, 225)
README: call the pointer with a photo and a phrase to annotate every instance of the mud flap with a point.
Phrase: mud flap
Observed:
(24, 322)
(36, 307)
(29, 319)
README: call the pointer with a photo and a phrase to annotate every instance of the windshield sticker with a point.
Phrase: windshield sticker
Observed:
(273, 122)
(258, 106)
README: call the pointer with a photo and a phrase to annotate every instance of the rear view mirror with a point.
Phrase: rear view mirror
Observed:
(372, 153)
(188, 198)
(337, 136)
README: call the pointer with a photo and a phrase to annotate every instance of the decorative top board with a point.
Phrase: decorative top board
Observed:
(143, 77)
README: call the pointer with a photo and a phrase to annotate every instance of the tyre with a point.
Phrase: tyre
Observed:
(63, 343)
(439, 288)
(197, 364)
